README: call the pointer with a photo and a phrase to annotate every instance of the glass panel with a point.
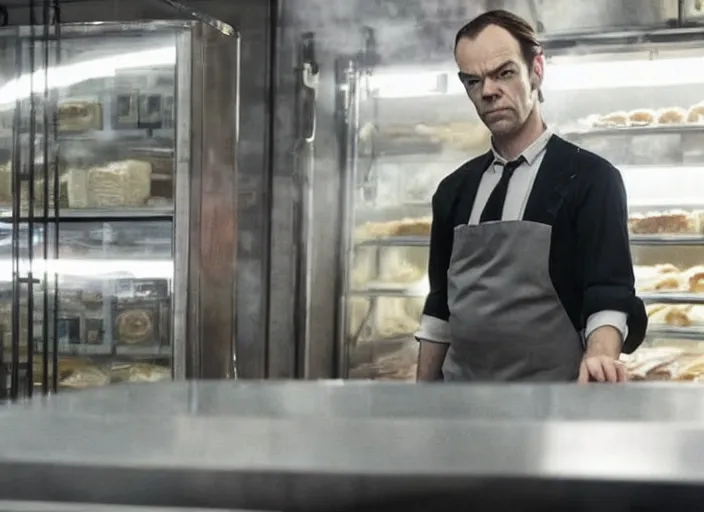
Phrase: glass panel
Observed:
(88, 156)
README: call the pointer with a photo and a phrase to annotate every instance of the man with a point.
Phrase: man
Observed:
(531, 277)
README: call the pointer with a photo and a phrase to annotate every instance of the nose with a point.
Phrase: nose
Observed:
(490, 89)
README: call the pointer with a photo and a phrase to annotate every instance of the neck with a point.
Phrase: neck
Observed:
(510, 146)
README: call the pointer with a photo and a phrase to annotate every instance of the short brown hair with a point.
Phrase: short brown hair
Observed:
(519, 28)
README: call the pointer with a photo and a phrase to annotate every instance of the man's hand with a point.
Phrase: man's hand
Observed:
(601, 369)
(600, 362)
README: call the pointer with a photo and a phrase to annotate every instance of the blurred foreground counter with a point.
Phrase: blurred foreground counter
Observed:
(324, 446)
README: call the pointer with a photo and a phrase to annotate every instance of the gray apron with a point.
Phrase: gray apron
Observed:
(506, 320)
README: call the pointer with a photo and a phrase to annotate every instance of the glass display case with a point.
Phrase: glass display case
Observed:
(104, 160)
(636, 98)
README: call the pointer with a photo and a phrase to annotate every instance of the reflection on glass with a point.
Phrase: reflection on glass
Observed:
(114, 97)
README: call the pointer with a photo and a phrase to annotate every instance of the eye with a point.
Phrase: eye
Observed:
(507, 73)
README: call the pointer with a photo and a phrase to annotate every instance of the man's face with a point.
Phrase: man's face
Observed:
(497, 79)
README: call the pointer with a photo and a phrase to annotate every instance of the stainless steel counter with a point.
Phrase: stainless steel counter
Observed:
(327, 446)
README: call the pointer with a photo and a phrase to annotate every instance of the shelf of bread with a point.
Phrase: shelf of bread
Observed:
(672, 120)
(667, 227)
(396, 139)
(665, 364)
(472, 138)
(143, 186)
(82, 373)
(131, 320)
(671, 223)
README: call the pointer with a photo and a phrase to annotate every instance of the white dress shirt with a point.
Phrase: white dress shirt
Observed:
(519, 188)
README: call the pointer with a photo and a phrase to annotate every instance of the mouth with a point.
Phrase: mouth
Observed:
(496, 111)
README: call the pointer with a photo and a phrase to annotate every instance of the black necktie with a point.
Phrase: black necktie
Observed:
(494, 207)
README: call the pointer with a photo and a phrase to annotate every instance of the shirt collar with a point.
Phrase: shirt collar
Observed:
(531, 153)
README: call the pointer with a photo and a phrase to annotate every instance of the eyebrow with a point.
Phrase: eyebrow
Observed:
(497, 69)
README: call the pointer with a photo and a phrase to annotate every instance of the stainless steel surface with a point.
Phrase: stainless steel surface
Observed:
(182, 205)
(322, 446)
(213, 203)
(349, 91)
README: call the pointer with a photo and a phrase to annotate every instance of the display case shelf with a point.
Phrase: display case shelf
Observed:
(656, 332)
(65, 349)
(632, 131)
(94, 214)
(672, 298)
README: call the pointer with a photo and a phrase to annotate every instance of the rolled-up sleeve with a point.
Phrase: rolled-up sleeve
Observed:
(434, 325)
(602, 230)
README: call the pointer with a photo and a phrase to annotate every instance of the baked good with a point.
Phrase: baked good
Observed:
(668, 282)
(645, 363)
(614, 119)
(86, 377)
(143, 372)
(695, 279)
(413, 227)
(134, 326)
(78, 116)
(372, 230)
(678, 315)
(672, 115)
(673, 221)
(392, 319)
(126, 183)
(642, 117)
(696, 113)
(406, 227)
(691, 370)
(666, 268)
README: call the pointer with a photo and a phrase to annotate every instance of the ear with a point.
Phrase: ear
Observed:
(538, 71)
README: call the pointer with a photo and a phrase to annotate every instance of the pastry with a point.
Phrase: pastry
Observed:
(134, 326)
(675, 315)
(691, 370)
(695, 279)
(87, 377)
(666, 268)
(642, 117)
(645, 363)
(141, 372)
(696, 113)
(669, 282)
(413, 227)
(405, 227)
(652, 309)
(673, 221)
(613, 119)
(673, 115)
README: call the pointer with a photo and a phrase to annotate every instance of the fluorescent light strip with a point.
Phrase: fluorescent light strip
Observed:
(93, 269)
(559, 77)
(71, 74)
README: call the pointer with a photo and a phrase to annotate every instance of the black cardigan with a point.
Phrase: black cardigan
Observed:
(582, 197)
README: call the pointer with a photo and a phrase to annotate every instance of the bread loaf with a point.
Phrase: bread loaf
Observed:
(118, 184)
(672, 115)
(614, 119)
(642, 117)
(696, 113)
